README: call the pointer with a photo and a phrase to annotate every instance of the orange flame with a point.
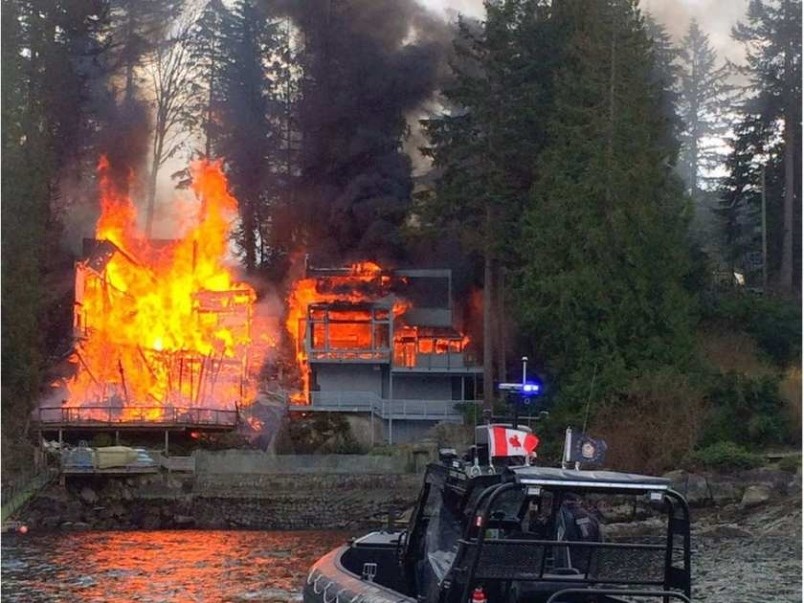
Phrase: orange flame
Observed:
(350, 315)
(345, 288)
(162, 325)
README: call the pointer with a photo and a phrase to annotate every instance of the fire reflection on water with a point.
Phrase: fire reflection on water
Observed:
(161, 565)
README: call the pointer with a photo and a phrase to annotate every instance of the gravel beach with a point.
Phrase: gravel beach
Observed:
(748, 556)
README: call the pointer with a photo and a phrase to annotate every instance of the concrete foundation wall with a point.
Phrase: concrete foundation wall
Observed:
(407, 432)
(245, 462)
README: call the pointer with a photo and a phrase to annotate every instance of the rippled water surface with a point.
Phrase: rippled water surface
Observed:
(160, 566)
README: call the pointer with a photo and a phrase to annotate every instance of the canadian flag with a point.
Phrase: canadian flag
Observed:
(511, 442)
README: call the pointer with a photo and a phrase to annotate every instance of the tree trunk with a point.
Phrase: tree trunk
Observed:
(151, 200)
(129, 60)
(488, 332)
(156, 161)
(249, 241)
(208, 142)
(499, 315)
(786, 268)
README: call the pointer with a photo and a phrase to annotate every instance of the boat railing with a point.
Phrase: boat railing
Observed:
(520, 559)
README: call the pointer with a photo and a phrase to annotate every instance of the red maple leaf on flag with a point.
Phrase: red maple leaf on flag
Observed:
(514, 441)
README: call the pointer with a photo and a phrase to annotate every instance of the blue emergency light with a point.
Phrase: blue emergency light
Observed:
(528, 388)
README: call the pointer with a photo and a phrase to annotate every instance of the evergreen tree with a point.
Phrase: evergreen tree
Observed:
(485, 146)
(248, 138)
(207, 50)
(752, 166)
(666, 73)
(136, 27)
(772, 38)
(45, 124)
(706, 99)
(600, 288)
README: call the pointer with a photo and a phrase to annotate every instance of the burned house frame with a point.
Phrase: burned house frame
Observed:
(395, 353)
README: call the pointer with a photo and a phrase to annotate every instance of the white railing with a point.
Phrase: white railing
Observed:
(451, 361)
(346, 401)
(421, 409)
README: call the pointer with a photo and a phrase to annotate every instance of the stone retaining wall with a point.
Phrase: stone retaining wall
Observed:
(238, 462)
(254, 501)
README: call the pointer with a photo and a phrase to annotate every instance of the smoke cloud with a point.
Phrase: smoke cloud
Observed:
(716, 18)
(369, 65)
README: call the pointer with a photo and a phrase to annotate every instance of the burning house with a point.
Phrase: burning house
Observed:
(167, 337)
(382, 342)
(163, 329)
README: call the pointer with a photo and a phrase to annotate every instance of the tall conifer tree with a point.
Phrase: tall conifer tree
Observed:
(772, 37)
(484, 147)
(706, 101)
(601, 283)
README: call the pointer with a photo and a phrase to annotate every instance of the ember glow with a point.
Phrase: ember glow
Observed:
(162, 325)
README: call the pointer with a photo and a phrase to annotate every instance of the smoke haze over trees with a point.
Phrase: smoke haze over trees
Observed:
(568, 141)
(366, 64)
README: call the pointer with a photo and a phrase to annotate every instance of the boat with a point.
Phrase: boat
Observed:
(510, 532)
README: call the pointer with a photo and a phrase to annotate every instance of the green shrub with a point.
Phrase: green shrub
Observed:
(723, 456)
(383, 450)
(775, 324)
(745, 410)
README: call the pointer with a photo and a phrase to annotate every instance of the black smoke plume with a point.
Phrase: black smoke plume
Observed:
(369, 65)
(124, 141)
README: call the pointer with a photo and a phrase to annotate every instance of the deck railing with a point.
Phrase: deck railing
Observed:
(357, 401)
(154, 415)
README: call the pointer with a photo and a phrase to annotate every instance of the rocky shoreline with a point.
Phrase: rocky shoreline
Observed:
(176, 501)
(746, 526)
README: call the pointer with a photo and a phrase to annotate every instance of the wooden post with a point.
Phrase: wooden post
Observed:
(167, 442)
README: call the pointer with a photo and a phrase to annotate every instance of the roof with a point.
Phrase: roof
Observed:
(597, 480)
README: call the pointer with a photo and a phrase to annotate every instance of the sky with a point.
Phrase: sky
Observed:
(716, 17)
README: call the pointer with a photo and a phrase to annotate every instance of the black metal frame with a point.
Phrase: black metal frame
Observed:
(676, 582)
(665, 594)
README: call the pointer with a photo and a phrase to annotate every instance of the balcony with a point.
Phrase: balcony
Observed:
(135, 417)
(347, 355)
(367, 402)
(452, 362)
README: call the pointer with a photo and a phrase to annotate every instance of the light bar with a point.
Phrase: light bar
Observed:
(526, 389)
(547, 483)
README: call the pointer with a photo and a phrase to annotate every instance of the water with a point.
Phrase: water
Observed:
(163, 566)
(212, 566)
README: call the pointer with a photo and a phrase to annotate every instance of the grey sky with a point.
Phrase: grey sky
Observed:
(716, 17)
